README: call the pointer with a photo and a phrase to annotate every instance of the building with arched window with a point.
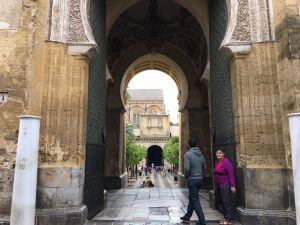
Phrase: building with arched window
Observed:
(146, 111)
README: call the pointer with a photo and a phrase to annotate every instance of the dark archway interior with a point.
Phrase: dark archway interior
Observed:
(152, 26)
(155, 155)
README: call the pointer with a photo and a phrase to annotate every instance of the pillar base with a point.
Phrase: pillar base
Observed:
(260, 216)
(62, 216)
(265, 196)
(117, 182)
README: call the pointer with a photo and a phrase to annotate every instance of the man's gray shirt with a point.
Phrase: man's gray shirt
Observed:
(194, 164)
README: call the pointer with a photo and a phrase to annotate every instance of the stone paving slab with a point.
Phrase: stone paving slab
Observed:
(151, 206)
(162, 205)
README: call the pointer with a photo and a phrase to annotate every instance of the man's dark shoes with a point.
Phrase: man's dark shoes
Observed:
(185, 219)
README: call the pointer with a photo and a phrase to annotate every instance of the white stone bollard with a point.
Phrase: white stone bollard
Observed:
(294, 121)
(25, 177)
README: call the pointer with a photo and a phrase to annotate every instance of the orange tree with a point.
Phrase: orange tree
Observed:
(171, 151)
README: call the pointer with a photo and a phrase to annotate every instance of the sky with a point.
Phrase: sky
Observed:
(154, 79)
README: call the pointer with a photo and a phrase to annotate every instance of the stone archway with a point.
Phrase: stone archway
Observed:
(59, 74)
(249, 23)
(162, 63)
(155, 156)
(170, 52)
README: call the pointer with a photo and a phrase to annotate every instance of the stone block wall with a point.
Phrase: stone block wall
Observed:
(258, 188)
(18, 22)
(287, 34)
(10, 14)
(43, 79)
(265, 196)
(63, 136)
(64, 108)
(60, 187)
(256, 105)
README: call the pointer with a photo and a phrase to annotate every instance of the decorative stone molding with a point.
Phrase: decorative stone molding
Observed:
(249, 21)
(239, 49)
(242, 30)
(69, 24)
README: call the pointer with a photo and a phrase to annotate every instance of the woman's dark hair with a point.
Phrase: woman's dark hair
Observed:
(192, 142)
(222, 150)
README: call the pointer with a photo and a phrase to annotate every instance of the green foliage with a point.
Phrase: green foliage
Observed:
(127, 97)
(171, 151)
(134, 153)
(129, 134)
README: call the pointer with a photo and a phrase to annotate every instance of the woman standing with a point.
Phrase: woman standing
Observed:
(225, 184)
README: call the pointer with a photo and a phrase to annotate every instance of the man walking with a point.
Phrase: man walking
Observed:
(194, 164)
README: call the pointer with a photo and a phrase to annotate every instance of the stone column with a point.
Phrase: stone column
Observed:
(261, 166)
(25, 178)
(294, 121)
(183, 137)
(115, 149)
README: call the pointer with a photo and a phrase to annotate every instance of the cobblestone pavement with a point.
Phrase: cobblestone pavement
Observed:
(162, 204)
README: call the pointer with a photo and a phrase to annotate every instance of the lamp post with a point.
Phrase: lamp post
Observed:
(294, 122)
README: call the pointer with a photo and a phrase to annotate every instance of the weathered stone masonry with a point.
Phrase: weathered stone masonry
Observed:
(44, 68)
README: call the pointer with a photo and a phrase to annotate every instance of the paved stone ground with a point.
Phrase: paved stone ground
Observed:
(160, 181)
(162, 204)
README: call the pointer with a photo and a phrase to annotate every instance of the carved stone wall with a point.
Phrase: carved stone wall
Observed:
(242, 31)
(69, 23)
(287, 24)
(256, 106)
(63, 139)
(17, 26)
(248, 22)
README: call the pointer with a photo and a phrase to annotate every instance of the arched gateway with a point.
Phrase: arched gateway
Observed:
(155, 156)
(235, 63)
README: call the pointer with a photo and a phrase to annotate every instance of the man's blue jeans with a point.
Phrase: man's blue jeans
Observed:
(194, 186)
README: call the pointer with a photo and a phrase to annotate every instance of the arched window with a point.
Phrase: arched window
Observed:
(159, 122)
(153, 112)
(149, 122)
(136, 117)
